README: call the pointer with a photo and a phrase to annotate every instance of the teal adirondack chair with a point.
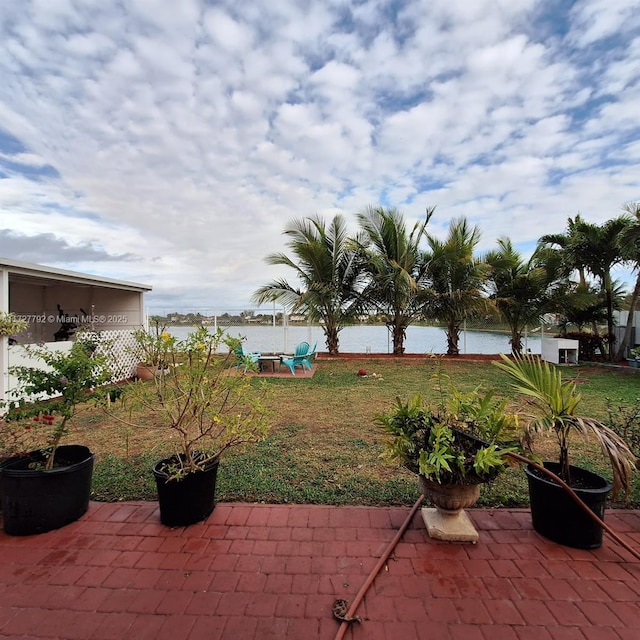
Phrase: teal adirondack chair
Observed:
(298, 359)
(310, 356)
(245, 359)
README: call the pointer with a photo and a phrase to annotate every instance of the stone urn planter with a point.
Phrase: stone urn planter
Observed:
(448, 520)
(453, 448)
(449, 499)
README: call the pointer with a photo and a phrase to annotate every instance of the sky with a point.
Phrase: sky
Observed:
(170, 143)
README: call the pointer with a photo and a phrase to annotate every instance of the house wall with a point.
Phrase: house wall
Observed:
(20, 357)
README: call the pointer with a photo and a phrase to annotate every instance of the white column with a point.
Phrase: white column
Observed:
(4, 342)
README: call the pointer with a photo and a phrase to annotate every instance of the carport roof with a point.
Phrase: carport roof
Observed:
(41, 274)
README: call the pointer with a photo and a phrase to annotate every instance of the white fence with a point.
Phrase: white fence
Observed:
(117, 345)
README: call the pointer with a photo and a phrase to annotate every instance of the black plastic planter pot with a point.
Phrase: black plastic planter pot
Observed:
(36, 501)
(187, 500)
(557, 517)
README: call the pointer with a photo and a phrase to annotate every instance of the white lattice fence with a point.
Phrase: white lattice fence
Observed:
(119, 346)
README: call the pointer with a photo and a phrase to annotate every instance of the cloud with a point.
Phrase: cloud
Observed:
(170, 143)
(53, 249)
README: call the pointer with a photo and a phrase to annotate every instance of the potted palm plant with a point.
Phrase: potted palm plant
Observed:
(205, 406)
(47, 484)
(453, 448)
(554, 407)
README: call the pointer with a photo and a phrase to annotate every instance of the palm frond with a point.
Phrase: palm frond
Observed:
(555, 402)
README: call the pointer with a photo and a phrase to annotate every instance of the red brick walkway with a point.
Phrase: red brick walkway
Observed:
(263, 571)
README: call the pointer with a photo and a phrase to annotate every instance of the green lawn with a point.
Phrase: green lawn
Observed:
(324, 446)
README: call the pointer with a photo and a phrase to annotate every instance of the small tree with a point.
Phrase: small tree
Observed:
(523, 291)
(629, 243)
(206, 404)
(47, 397)
(595, 249)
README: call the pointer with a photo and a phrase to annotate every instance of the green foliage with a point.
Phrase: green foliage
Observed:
(395, 267)
(151, 346)
(323, 448)
(456, 279)
(462, 442)
(624, 418)
(206, 405)
(10, 324)
(592, 248)
(521, 290)
(48, 396)
(439, 453)
(329, 273)
(588, 344)
(554, 402)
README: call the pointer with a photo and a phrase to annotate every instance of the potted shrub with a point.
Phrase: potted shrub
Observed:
(204, 406)
(554, 407)
(150, 348)
(453, 448)
(634, 357)
(45, 484)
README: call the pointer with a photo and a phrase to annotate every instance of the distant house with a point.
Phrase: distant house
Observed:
(56, 303)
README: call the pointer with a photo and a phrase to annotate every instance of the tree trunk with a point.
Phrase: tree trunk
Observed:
(453, 338)
(629, 328)
(516, 342)
(332, 340)
(398, 334)
(610, 336)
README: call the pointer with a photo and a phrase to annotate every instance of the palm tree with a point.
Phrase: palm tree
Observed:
(522, 291)
(629, 243)
(593, 248)
(328, 268)
(396, 268)
(567, 251)
(457, 279)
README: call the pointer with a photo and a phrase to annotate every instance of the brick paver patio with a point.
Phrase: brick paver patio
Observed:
(270, 571)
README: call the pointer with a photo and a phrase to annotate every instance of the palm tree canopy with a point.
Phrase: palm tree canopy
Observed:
(522, 290)
(517, 288)
(395, 266)
(456, 276)
(593, 248)
(629, 238)
(456, 279)
(328, 270)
